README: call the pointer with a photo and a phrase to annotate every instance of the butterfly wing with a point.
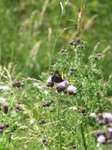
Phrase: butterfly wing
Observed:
(57, 77)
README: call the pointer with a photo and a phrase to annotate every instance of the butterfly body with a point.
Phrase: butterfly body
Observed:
(57, 77)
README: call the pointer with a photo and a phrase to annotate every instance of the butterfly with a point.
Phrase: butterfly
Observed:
(57, 77)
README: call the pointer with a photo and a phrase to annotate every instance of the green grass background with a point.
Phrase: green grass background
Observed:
(28, 29)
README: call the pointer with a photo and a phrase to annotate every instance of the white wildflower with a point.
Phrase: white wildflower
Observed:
(31, 121)
(46, 92)
(92, 115)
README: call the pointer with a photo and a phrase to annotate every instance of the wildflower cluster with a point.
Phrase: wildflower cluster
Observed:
(82, 79)
(78, 43)
(61, 87)
(6, 111)
(68, 104)
(97, 56)
(17, 84)
(105, 119)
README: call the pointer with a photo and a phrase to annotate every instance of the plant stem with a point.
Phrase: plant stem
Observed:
(59, 126)
(83, 136)
(56, 38)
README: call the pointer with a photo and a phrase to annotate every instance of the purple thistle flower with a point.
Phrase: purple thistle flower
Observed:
(5, 107)
(102, 139)
(18, 108)
(50, 83)
(72, 90)
(62, 50)
(2, 126)
(78, 40)
(71, 42)
(47, 104)
(107, 116)
(65, 82)
(110, 130)
(60, 87)
(18, 84)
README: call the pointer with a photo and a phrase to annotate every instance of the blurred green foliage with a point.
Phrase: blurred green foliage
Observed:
(28, 30)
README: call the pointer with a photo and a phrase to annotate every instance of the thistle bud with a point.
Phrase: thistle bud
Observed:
(5, 107)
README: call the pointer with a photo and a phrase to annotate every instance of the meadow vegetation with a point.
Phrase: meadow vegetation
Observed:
(54, 79)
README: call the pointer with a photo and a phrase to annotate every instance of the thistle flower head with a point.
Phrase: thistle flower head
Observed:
(60, 87)
(72, 90)
(110, 130)
(5, 107)
(101, 139)
(62, 51)
(65, 82)
(107, 116)
(78, 40)
(71, 42)
(50, 83)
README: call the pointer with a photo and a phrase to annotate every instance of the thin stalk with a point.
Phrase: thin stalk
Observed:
(56, 37)
(83, 136)
(59, 126)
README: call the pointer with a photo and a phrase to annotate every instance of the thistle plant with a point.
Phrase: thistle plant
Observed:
(66, 109)
(60, 111)
(84, 96)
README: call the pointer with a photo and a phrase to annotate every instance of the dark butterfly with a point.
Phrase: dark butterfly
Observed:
(57, 77)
